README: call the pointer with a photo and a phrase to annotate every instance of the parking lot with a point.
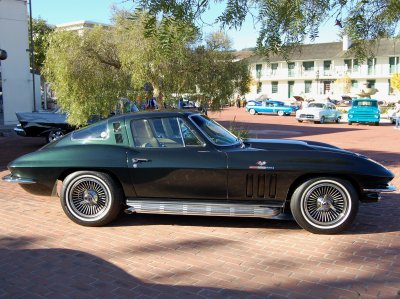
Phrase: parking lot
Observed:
(44, 254)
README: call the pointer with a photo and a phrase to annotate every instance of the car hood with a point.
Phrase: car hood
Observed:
(309, 110)
(288, 145)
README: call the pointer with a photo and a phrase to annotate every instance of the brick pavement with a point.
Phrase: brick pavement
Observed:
(43, 254)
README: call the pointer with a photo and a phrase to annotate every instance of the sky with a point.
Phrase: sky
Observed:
(58, 12)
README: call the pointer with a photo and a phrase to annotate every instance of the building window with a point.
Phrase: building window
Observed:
(394, 64)
(274, 88)
(274, 68)
(371, 83)
(308, 66)
(354, 83)
(307, 86)
(371, 62)
(327, 67)
(355, 65)
(351, 65)
(259, 87)
(258, 70)
(290, 89)
(291, 66)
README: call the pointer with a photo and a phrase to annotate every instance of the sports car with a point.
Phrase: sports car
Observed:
(186, 163)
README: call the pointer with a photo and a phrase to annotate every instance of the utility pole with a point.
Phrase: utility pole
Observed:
(31, 50)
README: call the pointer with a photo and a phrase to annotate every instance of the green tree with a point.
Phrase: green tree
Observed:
(41, 32)
(395, 81)
(85, 73)
(90, 71)
(216, 73)
(286, 23)
(146, 60)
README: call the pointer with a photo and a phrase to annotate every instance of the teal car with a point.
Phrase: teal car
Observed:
(269, 106)
(364, 111)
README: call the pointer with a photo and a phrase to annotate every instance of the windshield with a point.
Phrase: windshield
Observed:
(316, 105)
(365, 103)
(216, 133)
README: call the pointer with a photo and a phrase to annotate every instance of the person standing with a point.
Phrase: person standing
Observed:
(397, 115)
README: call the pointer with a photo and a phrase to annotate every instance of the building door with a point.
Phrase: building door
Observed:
(290, 88)
(327, 87)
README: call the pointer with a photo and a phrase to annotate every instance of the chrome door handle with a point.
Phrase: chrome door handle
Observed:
(139, 160)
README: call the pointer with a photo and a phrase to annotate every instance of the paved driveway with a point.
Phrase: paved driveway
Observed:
(43, 254)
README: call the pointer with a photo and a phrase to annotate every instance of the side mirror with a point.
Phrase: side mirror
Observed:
(3, 54)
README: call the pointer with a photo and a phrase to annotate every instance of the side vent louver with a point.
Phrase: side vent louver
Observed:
(261, 185)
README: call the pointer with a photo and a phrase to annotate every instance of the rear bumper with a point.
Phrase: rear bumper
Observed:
(12, 179)
(20, 132)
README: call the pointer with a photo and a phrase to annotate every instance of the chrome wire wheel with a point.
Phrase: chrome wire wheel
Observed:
(54, 135)
(326, 204)
(88, 198)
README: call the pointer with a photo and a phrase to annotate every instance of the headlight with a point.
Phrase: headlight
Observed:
(350, 115)
(376, 115)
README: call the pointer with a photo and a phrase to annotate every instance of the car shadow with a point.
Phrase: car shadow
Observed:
(67, 273)
(204, 221)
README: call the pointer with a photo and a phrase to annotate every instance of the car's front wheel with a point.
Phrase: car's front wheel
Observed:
(252, 111)
(91, 198)
(281, 113)
(324, 205)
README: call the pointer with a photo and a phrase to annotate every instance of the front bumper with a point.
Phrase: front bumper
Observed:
(374, 194)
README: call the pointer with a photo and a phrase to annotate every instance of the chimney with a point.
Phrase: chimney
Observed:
(346, 42)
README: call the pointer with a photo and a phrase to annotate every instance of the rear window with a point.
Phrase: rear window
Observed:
(94, 132)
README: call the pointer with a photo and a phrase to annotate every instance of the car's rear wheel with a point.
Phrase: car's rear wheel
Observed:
(91, 198)
(299, 120)
(337, 120)
(324, 205)
(252, 111)
(377, 123)
(350, 123)
(54, 135)
(281, 113)
(322, 120)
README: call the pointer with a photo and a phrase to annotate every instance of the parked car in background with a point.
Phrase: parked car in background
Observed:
(364, 111)
(185, 163)
(251, 103)
(392, 115)
(269, 107)
(319, 112)
(53, 124)
(48, 124)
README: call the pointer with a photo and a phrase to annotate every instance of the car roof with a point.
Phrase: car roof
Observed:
(152, 114)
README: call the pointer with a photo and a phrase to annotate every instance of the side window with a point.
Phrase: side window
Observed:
(189, 136)
(164, 132)
(143, 134)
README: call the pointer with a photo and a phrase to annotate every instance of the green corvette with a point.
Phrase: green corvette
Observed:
(185, 163)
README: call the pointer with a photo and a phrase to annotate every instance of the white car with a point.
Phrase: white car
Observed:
(319, 112)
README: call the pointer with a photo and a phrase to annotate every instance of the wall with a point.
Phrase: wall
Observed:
(16, 77)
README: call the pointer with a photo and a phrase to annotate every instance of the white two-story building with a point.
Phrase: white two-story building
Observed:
(313, 69)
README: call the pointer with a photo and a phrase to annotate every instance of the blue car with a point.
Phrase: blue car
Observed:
(274, 107)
